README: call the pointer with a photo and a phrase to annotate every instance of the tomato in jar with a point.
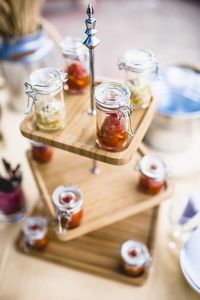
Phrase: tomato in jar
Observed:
(112, 134)
(78, 78)
(68, 201)
(149, 185)
(35, 233)
(42, 153)
(153, 175)
(135, 258)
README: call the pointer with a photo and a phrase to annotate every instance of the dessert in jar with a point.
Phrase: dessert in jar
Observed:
(45, 93)
(12, 199)
(153, 174)
(135, 258)
(41, 153)
(113, 116)
(141, 67)
(68, 201)
(35, 233)
(76, 65)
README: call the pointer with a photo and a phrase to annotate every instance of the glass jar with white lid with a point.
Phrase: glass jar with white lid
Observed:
(141, 69)
(45, 93)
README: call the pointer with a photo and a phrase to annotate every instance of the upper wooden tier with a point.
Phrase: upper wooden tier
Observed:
(79, 134)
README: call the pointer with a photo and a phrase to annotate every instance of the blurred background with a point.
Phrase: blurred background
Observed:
(170, 28)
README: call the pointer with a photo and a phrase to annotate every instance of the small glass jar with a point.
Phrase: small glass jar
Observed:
(153, 174)
(68, 201)
(141, 67)
(114, 116)
(135, 258)
(45, 92)
(35, 233)
(12, 205)
(76, 60)
(41, 153)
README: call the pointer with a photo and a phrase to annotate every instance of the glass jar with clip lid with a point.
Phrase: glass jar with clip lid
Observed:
(68, 201)
(141, 69)
(45, 93)
(76, 61)
(114, 116)
(153, 174)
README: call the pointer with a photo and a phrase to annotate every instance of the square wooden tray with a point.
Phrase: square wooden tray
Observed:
(109, 197)
(98, 252)
(79, 134)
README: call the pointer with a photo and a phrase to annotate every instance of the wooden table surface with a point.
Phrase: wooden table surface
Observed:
(23, 277)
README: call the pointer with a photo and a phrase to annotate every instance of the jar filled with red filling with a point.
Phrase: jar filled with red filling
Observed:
(76, 65)
(68, 201)
(35, 233)
(41, 153)
(135, 258)
(114, 116)
(153, 174)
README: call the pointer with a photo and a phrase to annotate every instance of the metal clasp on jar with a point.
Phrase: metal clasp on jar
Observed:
(67, 216)
(31, 90)
(32, 97)
(123, 115)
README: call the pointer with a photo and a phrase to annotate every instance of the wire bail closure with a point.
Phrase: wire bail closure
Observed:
(67, 216)
(32, 94)
(121, 120)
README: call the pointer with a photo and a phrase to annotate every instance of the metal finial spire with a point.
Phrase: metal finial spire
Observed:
(90, 10)
(91, 42)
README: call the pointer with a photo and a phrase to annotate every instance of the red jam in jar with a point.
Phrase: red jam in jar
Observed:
(41, 153)
(112, 134)
(35, 233)
(153, 174)
(114, 116)
(78, 78)
(68, 201)
(135, 258)
(75, 55)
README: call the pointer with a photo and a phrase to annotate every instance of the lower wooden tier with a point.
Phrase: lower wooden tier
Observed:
(98, 252)
(109, 197)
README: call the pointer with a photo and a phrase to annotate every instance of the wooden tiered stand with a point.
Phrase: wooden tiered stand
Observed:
(114, 209)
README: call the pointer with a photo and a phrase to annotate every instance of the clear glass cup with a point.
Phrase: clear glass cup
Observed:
(12, 205)
(76, 64)
(113, 116)
(45, 93)
(184, 217)
(141, 67)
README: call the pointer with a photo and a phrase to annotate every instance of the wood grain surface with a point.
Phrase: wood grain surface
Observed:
(109, 197)
(99, 252)
(79, 134)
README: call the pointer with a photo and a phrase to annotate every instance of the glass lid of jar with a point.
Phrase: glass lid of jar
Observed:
(153, 167)
(47, 80)
(67, 198)
(73, 45)
(135, 253)
(112, 95)
(35, 227)
(139, 60)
